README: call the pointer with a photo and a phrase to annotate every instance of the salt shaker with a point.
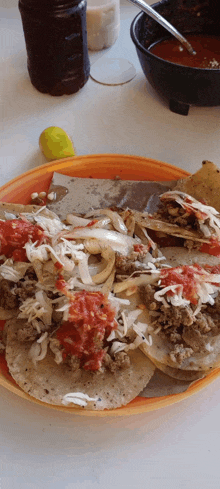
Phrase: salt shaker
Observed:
(56, 42)
(103, 23)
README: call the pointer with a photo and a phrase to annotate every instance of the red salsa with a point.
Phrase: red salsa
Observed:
(13, 236)
(207, 50)
(212, 248)
(91, 320)
(185, 277)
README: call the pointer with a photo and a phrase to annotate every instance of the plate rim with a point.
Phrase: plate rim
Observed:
(148, 166)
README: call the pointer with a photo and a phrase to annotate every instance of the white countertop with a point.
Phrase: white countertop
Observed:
(173, 448)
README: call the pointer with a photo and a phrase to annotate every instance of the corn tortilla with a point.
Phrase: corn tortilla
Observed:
(50, 382)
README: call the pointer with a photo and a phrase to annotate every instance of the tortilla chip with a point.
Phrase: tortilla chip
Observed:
(204, 185)
(49, 382)
(17, 209)
(167, 228)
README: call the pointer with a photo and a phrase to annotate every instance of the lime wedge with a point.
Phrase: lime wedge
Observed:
(55, 144)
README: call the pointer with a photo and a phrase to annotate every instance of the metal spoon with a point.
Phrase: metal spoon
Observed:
(142, 5)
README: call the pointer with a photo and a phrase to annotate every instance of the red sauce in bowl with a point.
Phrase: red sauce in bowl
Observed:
(207, 50)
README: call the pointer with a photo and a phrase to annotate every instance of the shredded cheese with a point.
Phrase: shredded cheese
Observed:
(78, 398)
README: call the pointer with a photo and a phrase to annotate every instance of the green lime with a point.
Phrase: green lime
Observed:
(55, 143)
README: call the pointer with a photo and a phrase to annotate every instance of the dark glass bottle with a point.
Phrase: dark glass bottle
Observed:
(56, 42)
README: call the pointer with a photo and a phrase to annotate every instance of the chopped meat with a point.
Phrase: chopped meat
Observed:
(179, 324)
(175, 214)
(30, 273)
(27, 333)
(11, 294)
(180, 353)
(214, 310)
(120, 361)
(25, 289)
(73, 362)
(194, 339)
(57, 316)
(168, 315)
(177, 316)
(7, 299)
(204, 323)
(107, 360)
(147, 296)
(3, 334)
(175, 337)
(192, 245)
(128, 264)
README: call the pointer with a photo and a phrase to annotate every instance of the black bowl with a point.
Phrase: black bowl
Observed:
(181, 86)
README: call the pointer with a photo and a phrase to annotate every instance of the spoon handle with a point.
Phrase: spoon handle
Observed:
(152, 13)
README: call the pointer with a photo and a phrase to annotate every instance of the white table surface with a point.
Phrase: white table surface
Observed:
(174, 448)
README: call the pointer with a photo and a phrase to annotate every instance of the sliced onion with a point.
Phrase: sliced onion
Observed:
(84, 270)
(130, 223)
(109, 256)
(119, 242)
(34, 352)
(38, 351)
(135, 282)
(116, 219)
(42, 337)
(55, 348)
(107, 287)
(77, 220)
(43, 350)
(43, 300)
(116, 347)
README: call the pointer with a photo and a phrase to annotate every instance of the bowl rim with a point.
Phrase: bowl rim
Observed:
(147, 52)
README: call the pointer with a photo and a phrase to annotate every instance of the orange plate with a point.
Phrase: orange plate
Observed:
(126, 167)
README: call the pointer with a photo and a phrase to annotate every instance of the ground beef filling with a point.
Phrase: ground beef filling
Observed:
(29, 333)
(7, 299)
(13, 294)
(188, 333)
(120, 361)
(175, 214)
(132, 262)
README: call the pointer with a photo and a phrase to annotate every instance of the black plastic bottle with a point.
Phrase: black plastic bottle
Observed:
(56, 42)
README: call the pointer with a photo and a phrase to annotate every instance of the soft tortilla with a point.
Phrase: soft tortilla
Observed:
(161, 347)
(178, 374)
(162, 384)
(177, 256)
(49, 382)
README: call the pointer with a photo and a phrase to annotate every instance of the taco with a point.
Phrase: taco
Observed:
(67, 383)
(182, 303)
(74, 341)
